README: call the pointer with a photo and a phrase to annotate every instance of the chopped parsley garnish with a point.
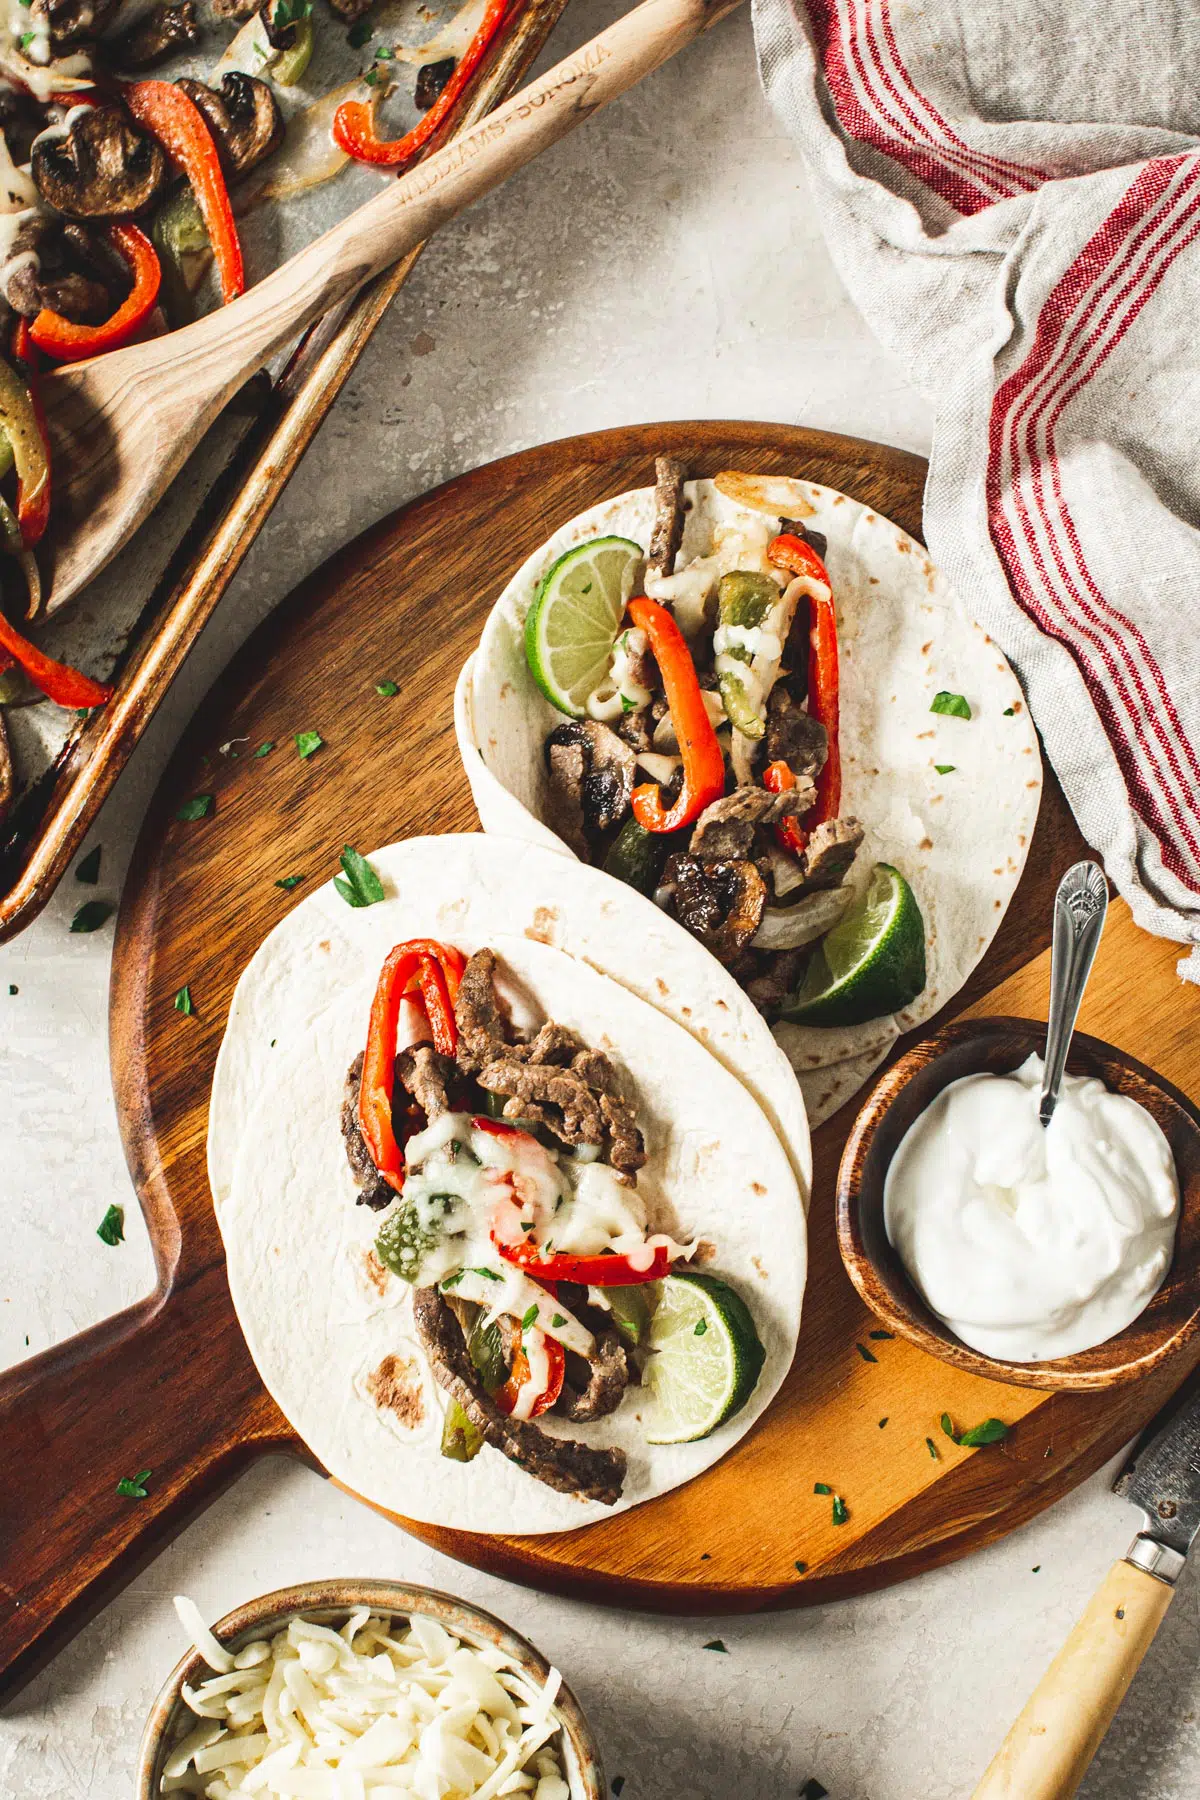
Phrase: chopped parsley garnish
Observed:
(530, 1317)
(372, 77)
(867, 1355)
(881, 1334)
(944, 768)
(558, 1321)
(13, 988)
(802, 1568)
(183, 1002)
(840, 1511)
(88, 868)
(627, 705)
(526, 1224)
(388, 689)
(948, 1427)
(487, 1273)
(822, 1487)
(618, 1782)
(385, 53)
(288, 882)
(264, 749)
(1036, 1569)
(307, 743)
(111, 1229)
(701, 1328)
(716, 1644)
(92, 914)
(134, 1488)
(884, 1420)
(26, 38)
(932, 1448)
(359, 885)
(812, 1790)
(1010, 712)
(358, 34)
(290, 12)
(198, 807)
(953, 705)
(991, 1431)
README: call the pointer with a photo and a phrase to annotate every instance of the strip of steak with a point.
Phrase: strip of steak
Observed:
(829, 852)
(477, 1014)
(607, 1379)
(561, 1463)
(667, 535)
(373, 1190)
(425, 1075)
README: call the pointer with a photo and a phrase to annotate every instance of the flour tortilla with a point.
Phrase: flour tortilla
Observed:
(960, 839)
(331, 1330)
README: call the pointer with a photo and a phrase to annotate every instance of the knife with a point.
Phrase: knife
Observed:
(1046, 1753)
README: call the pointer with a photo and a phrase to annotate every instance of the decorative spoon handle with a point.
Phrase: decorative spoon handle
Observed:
(1080, 906)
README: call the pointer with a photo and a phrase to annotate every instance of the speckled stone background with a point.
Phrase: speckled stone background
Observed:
(666, 262)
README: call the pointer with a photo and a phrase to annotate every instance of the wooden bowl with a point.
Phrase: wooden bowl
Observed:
(903, 1092)
(330, 1603)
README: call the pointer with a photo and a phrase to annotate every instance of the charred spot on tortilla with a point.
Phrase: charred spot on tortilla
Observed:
(396, 1388)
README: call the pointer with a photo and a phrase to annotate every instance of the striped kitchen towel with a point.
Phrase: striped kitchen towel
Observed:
(1011, 190)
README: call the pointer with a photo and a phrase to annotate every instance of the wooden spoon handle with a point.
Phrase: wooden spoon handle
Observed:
(1046, 1753)
(154, 1388)
(378, 233)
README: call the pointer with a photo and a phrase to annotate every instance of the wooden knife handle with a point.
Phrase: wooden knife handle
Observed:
(1047, 1751)
(155, 1388)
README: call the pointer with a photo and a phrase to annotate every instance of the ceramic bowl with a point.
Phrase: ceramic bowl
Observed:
(904, 1091)
(330, 1603)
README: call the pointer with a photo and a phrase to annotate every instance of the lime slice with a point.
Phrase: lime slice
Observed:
(871, 963)
(573, 623)
(706, 1359)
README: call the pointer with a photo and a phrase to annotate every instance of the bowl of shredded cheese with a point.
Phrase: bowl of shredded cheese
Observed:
(364, 1690)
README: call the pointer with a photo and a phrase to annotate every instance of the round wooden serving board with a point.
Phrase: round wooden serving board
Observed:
(169, 1386)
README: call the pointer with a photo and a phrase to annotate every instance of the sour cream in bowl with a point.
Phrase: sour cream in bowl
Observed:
(1061, 1258)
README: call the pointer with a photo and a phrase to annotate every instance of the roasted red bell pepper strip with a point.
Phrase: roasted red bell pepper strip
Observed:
(703, 763)
(586, 1271)
(180, 127)
(779, 779)
(58, 681)
(435, 970)
(33, 493)
(67, 342)
(519, 1376)
(354, 120)
(791, 553)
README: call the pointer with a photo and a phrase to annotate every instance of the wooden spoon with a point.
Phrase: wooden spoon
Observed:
(124, 424)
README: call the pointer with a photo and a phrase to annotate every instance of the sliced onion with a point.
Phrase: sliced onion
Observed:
(66, 75)
(658, 768)
(791, 927)
(786, 873)
(309, 155)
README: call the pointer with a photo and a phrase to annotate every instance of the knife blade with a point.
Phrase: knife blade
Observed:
(1163, 1478)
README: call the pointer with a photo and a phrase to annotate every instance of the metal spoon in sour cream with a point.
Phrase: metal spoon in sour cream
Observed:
(1033, 1242)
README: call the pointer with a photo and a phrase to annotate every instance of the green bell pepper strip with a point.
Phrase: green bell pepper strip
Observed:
(290, 65)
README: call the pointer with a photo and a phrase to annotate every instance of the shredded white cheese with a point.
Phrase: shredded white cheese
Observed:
(384, 1709)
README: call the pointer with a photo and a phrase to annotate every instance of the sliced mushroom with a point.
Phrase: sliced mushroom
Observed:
(243, 116)
(591, 774)
(721, 903)
(155, 37)
(98, 166)
(71, 22)
(431, 79)
(64, 267)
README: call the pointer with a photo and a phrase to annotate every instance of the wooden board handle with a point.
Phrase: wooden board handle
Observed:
(1046, 1754)
(153, 1389)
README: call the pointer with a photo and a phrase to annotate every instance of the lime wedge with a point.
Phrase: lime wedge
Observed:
(573, 623)
(871, 963)
(706, 1357)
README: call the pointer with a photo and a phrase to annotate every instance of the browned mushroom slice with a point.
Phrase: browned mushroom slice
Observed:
(721, 903)
(71, 22)
(591, 774)
(431, 79)
(99, 168)
(64, 267)
(159, 35)
(665, 539)
(242, 115)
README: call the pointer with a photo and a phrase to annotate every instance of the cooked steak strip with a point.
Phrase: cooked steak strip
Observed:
(562, 1464)
(667, 535)
(607, 1377)
(563, 1099)
(793, 736)
(829, 852)
(477, 1014)
(726, 828)
(374, 1191)
(797, 528)
(425, 1075)
(155, 37)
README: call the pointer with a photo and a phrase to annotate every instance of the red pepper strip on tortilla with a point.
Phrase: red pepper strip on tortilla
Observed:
(703, 763)
(180, 127)
(435, 971)
(354, 120)
(520, 1374)
(587, 1271)
(22, 425)
(790, 834)
(798, 558)
(68, 342)
(58, 681)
